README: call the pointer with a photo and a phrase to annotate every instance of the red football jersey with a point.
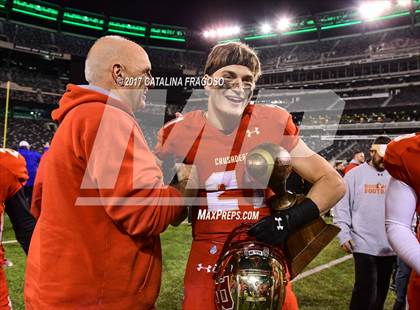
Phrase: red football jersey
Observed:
(13, 173)
(220, 160)
(402, 159)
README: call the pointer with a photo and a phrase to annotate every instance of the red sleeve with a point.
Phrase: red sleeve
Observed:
(393, 163)
(164, 147)
(282, 121)
(402, 160)
(13, 173)
(129, 181)
(290, 134)
(161, 149)
(9, 185)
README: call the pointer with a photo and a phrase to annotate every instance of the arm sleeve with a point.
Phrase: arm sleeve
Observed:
(130, 183)
(290, 134)
(9, 184)
(163, 146)
(342, 211)
(394, 162)
(400, 209)
(23, 222)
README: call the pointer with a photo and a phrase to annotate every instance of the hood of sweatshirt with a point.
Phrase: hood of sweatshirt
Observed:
(76, 95)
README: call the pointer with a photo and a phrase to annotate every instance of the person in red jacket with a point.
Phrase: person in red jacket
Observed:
(103, 202)
(358, 159)
(13, 174)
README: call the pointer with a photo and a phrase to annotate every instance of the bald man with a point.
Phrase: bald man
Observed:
(96, 243)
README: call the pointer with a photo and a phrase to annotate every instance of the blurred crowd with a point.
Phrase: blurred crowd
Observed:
(327, 50)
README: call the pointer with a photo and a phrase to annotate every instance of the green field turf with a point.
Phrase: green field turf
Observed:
(328, 289)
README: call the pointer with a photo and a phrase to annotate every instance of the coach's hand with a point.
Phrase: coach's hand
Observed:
(348, 246)
(187, 180)
(275, 229)
(187, 183)
(182, 216)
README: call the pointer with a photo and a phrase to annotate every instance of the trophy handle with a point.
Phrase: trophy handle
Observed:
(286, 201)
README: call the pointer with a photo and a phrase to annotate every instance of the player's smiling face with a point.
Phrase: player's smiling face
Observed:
(232, 98)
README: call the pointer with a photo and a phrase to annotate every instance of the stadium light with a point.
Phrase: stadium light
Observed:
(404, 3)
(212, 33)
(265, 28)
(222, 32)
(236, 30)
(373, 9)
(283, 24)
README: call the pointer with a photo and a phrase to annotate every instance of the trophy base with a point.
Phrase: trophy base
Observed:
(307, 242)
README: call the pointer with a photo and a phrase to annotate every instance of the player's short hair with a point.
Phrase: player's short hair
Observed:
(382, 140)
(232, 53)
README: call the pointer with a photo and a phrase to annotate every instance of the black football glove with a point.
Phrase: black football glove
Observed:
(276, 228)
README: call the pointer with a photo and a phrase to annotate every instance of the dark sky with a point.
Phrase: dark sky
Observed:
(200, 14)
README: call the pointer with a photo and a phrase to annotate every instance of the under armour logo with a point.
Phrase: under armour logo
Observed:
(250, 132)
(209, 268)
(279, 225)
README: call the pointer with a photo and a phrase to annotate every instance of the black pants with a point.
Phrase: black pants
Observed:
(28, 193)
(401, 280)
(372, 275)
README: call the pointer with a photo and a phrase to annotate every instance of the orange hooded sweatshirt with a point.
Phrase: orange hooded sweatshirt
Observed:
(103, 205)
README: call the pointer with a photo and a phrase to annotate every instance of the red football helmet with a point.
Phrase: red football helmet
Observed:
(249, 274)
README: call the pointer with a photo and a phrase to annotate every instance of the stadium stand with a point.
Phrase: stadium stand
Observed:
(356, 46)
(374, 92)
(29, 95)
(31, 76)
(406, 97)
(344, 149)
(36, 132)
(49, 40)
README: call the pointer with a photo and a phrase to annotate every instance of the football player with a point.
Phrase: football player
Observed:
(13, 175)
(216, 141)
(402, 161)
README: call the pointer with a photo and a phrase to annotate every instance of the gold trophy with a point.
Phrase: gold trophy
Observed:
(269, 165)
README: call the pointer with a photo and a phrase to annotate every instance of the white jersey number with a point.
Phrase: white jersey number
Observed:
(213, 183)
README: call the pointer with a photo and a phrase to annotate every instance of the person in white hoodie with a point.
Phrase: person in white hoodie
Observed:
(361, 216)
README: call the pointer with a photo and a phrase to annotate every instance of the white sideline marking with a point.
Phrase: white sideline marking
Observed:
(322, 267)
(9, 241)
(299, 277)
